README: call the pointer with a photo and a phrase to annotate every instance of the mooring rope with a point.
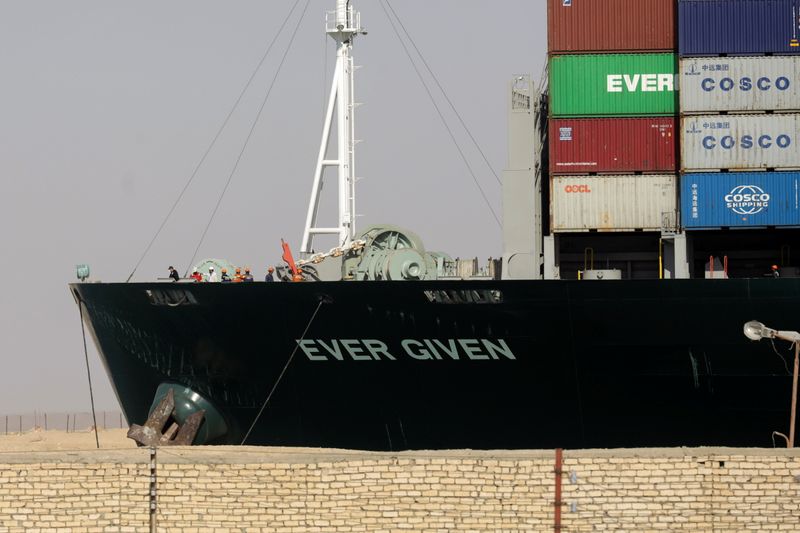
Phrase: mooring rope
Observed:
(285, 368)
(88, 373)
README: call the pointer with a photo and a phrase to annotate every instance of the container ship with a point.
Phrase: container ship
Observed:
(650, 187)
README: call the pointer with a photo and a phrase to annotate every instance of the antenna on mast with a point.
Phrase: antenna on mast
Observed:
(342, 26)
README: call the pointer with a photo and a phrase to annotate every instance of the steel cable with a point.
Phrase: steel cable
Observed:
(783, 359)
(444, 93)
(214, 140)
(247, 139)
(441, 115)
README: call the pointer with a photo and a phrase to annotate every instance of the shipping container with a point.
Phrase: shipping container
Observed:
(613, 203)
(610, 25)
(740, 199)
(740, 142)
(738, 27)
(740, 84)
(613, 145)
(613, 85)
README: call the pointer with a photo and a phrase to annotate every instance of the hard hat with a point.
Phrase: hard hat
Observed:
(238, 269)
(247, 269)
(270, 269)
(224, 270)
(774, 267)
(210, 268)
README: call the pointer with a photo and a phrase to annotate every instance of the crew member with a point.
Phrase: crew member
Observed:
(196, 276)
(270, 277)
(238, 277)
(225, 277)
(174, 274)
(248, 277)
(212, 275)
(775, 272)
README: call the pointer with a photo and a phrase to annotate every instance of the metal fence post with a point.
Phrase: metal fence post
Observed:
(153, 489)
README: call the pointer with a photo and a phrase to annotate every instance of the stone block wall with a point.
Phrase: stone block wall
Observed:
(273, 490)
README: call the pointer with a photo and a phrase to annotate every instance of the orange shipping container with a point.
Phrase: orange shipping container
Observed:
(610, 25)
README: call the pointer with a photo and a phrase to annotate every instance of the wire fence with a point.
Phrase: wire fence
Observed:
(82, 421)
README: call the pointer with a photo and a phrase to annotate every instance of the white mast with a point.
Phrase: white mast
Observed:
(346, 25)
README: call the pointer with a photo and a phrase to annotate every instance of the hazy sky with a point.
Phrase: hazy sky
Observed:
(107, 107)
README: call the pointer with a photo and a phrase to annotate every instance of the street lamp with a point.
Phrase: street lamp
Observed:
(755, 331)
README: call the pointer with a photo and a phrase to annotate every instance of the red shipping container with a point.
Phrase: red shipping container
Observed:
(612, 145)
(610, 25)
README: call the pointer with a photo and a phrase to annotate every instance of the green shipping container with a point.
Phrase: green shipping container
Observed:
(607, 85)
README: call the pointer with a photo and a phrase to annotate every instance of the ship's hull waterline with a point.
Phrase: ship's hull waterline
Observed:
(458, 364)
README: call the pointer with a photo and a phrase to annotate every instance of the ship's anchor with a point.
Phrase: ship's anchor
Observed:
(150, 434)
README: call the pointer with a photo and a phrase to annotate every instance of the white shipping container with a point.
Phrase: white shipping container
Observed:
(613, 203)
(746, 84)
(740, 142)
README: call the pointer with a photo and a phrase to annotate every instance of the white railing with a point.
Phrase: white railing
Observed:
(353, 20)
(472, 269)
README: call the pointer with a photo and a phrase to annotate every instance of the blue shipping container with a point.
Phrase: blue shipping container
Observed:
(740, 199)
(738, 27)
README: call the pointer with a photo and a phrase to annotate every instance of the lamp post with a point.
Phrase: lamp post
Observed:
(755, 331)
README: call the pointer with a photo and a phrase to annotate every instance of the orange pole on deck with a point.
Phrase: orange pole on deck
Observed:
(287, 256)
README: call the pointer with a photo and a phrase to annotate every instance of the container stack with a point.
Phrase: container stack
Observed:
(613, 114)
(739, 103)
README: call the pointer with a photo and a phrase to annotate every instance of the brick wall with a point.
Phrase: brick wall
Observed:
(235, 489)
